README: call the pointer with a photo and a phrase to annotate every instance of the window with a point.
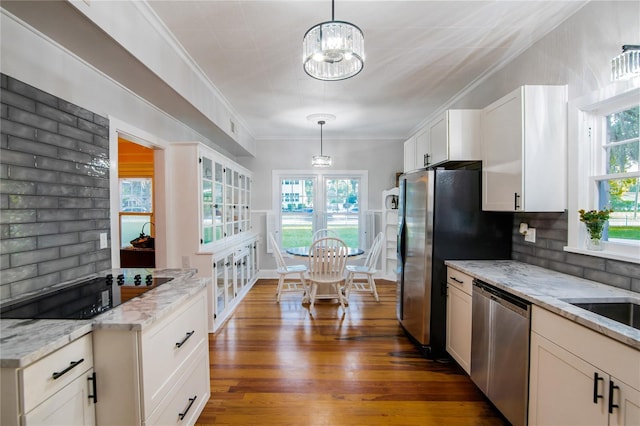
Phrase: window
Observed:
(604, 169)
(311, 200)
(618, 185)
(136, 208)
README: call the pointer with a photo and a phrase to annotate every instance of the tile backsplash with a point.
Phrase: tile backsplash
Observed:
(54, 190)
(547, 252)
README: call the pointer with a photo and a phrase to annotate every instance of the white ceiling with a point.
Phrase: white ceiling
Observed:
(419, 56)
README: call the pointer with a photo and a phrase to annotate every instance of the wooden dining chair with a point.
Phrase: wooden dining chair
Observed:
(285, 284)
(360, 277)
(326, 272)
(324, 232)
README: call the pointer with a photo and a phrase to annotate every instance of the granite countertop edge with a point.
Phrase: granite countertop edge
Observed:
(22, 342)
(549, 289)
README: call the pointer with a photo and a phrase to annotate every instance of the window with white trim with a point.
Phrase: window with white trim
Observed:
(617, 173)
(307, 200)
(604, 169)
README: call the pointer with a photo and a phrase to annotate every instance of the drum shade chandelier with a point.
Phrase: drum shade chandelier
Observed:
(321, 160)
(333, 50)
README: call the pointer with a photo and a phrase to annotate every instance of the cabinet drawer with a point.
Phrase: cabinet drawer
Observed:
(167, 346)
(460, 280)
(185, 402)
(66, 364)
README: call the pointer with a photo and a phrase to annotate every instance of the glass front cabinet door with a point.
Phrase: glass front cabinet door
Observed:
(225, 199)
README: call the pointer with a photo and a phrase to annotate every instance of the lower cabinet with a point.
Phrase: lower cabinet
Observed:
(580, 377)
(235, 270)
(61, 388)
(72, 405)
(158, 375)
(459, 290)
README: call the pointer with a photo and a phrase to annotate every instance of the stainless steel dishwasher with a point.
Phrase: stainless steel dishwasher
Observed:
(500, 349)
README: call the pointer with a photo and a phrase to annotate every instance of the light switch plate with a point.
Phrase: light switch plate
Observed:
(103, 240)
(531, 235)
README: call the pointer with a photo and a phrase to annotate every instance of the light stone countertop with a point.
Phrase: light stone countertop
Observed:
(23, 342)
(549, 290)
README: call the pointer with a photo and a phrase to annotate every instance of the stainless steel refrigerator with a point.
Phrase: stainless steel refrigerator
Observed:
(440, 218)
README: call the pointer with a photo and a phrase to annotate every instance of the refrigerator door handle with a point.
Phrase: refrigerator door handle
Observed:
(402, 246)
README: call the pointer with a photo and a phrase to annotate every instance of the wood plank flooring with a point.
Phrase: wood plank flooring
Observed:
(275, 364)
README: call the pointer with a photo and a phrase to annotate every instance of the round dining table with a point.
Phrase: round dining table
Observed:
(304, 251)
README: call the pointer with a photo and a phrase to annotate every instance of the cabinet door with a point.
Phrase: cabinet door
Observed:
(423, 150)
(220, 299)
(562, 387)
(459, 326)
(229, 281)
(438, 141)
(240, 271)
(628, 401)
(208, 201)
(502, 154)
(410, 155)
(69, 406)
(218, 185)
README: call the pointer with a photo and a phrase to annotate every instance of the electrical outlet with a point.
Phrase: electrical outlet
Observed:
(185, 262)
(530, 235)
(103, 240)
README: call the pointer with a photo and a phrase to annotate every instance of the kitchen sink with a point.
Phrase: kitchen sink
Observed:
(623, 311)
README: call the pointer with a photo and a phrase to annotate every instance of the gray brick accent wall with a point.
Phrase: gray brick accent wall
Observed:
(547, 252)
(54, 190)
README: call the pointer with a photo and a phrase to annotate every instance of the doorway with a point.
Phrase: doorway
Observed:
(136, 206)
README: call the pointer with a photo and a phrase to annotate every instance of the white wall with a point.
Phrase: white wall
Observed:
(576, 53)
(382, 158)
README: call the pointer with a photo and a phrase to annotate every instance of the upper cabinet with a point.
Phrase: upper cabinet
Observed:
(453, 136)
(410, 155)
(524, 151)
(224, 198)
(208, 203)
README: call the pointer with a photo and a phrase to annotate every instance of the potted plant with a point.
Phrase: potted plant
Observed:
(594, 220)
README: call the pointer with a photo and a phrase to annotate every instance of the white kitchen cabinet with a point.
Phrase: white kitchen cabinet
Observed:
(235, 270)
(423, 149)
(208, 203)
(524, 151)
(209, 224)
(410, 155)
(459, 293)
(580, 377)
(453, 136)
(388, 255)
(57, 389)
(151, 370)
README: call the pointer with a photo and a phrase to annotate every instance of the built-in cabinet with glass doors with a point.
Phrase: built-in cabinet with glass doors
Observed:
(235, 271)
(209, 218)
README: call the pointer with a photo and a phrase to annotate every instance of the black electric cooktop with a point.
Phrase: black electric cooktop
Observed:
(83, 300)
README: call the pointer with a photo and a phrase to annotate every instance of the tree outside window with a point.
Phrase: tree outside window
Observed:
(619, 188)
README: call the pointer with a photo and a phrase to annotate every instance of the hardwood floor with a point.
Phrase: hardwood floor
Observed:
(275, 364)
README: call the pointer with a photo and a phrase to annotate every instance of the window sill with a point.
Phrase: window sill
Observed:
(607, 254)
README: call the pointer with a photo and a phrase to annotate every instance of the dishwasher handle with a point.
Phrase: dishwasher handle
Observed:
(504, 298)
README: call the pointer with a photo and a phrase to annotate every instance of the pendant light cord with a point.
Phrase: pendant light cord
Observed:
(333, 8)
(321, 123)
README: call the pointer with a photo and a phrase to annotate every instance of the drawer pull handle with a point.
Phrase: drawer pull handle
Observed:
(94, 387)
(189, 334)
(57, 374)
(611, 389)
(182, 415)
(596, 379)
(457, 280)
